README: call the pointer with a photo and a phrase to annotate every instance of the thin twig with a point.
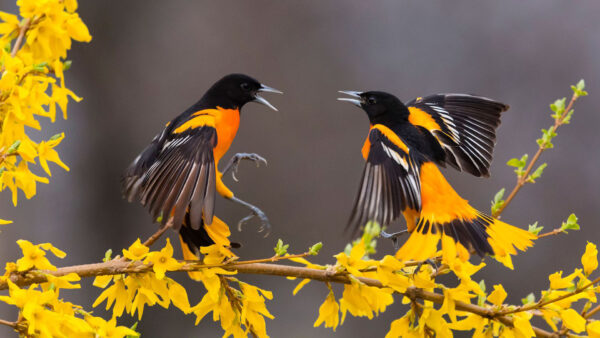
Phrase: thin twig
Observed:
(7, 323)
(159, 233)
(21, 36)
(523, 178)
(592, 312)
(541, 304)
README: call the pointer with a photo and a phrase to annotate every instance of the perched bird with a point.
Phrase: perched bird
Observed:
(405, 145)
(177, 175)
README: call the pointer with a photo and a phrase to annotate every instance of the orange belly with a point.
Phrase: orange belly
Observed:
(227, 124)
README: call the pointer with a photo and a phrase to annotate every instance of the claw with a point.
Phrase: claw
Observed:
(235, 162)
(265, 225)
(394, 237)
(428, 261)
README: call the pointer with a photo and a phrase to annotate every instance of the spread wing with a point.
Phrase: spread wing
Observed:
(175, 174)
(390, 182)
(465, 125)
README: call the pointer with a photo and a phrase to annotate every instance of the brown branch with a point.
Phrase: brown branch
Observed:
(541, 303)
(523, 178)
(159, 233)
(592, 312)
(115, 267)
(7, 323)
(21, 36)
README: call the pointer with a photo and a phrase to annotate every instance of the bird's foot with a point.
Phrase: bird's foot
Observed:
(234, 162)
(429, 261)
(265, 225)
(394, 237)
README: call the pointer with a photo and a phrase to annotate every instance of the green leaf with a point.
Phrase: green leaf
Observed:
(107, 255)
(481, 299)
(534, 228)
(514, 162)
(159, 218)
(280, 248)
(570, 224)
(529, 299)
(134, 328)
(14, 147)
(567, 118)
(314, 250)
(537, 173)
(67, 65)
(579, 89)
(498, 201)
(547, 136)
(558, 106)
(55, 137)
(40, 67)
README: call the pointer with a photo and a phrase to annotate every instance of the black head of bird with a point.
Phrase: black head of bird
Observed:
(235, 90)
(381, 107)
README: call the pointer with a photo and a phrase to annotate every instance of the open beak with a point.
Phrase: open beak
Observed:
(261, 100)
(356, 102)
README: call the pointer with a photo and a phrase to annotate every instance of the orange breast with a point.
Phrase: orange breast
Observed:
(227, 123)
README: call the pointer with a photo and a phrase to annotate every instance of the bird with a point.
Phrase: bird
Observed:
(176, 176)
(405, 145)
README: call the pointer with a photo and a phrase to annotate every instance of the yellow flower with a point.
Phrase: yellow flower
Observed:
(179, 296)
(116, 293)
(558, 282)
(329, 312)
(136, 251)
(573, 320)
(388, 272)
(354, 263)
(523, 325)
(593, 329)
(33, 257)
(3, 221)
(589, 260)
(109, 329)
(497, 296)
(215, 254)
(362, 300)
(62, 282)
(47, 153)
(163, 260)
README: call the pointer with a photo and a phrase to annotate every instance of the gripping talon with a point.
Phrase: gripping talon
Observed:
(265, 225)
(394, 237)
(234, 163)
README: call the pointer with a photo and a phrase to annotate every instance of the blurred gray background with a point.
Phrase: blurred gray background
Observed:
(150, 60)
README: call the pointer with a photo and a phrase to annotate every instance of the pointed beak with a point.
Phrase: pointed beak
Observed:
(261, 100)
(356, 102)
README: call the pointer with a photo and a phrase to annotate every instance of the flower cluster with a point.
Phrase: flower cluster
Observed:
(42, 312)
(465, 307)
(240, 311)
(32, 84)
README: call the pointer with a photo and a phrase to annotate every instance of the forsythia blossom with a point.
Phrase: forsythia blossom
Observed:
(32, 85)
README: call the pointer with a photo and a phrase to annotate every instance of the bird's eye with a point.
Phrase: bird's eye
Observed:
(371, 100)
(245, 86)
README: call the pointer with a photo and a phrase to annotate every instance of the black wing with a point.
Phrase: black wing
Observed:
(175, 175)
(465, 125)
(390, 183)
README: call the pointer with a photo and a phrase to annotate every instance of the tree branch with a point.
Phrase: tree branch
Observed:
(116, 266)
(523, 179)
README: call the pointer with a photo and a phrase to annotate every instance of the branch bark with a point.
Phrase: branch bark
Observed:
(117, 266)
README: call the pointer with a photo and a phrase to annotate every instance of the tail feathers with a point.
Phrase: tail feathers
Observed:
(207, 235)
(481, 234)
